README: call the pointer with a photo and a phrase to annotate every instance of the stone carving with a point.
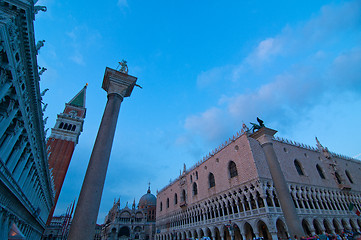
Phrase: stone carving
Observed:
(45, 106)
(39, 45)
(123, 67)
(244, 128)
(43, 92)
(42, 70)
(39, 8)
(257, 126)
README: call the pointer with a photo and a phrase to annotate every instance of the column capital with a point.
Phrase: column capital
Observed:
(264, 135)
(118, 82)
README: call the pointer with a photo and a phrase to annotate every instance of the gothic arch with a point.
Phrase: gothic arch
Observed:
(306, 227)
(317, 226)
(248, 231)
(281, 229)
(263, 230)
(232, 169)
(337, 225)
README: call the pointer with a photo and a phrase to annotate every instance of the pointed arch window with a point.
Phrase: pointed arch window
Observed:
(175, 199)
(348, 176)
(184, 196)
(338, 178)
(195, 189)
(320, 172)
(298, 168)
(211, 180)
(232, 169)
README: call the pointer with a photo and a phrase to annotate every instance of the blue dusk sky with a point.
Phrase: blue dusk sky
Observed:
(205, 67)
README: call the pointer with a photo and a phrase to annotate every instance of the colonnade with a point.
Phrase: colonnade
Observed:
(7, 220)
(256, 202)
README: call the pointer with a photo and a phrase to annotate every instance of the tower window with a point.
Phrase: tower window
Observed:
(232, 168)
(61, 125)
(73, 128)
(65, 126)
(69, 127)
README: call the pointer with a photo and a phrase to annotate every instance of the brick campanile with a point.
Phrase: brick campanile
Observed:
(61, 143)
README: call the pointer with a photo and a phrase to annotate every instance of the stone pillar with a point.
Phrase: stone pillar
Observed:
(118, 85)
(264, 137)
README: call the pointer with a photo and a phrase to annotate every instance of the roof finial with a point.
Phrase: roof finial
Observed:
(148, 187)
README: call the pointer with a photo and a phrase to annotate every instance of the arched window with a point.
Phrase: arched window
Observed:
(65, 126)
(73, 128)
(69, 127)
(161, 206)
(320, 172)
(348, 176)
(167, 202)
(338, 178)
(211, 180)
(195, 189)
(175, 199)
(61, 125)
(232, 168)
(184, 196)
(298, 167)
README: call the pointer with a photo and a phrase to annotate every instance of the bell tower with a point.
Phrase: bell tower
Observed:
(63, 138)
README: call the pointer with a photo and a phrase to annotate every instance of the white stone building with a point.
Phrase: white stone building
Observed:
(230, 194)
(26, 188)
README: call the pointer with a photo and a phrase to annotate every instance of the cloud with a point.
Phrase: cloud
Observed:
(122, 4)
(286, 75)
(81, 40)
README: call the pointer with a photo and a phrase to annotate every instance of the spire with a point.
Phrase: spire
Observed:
(79, 99)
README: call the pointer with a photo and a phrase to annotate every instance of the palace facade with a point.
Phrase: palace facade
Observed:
(230, 194)
(26, 187)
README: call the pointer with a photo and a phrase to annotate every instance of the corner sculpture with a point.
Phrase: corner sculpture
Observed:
(255, 126)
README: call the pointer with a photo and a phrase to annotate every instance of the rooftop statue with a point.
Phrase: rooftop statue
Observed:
(256, 126)
(123, 67)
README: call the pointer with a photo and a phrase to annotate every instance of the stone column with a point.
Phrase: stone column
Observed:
(264, 137)
(118, 85)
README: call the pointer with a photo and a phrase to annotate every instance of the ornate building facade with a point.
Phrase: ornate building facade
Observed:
(134, 223)
(61, 143)
(230, 194)
(26, 187)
